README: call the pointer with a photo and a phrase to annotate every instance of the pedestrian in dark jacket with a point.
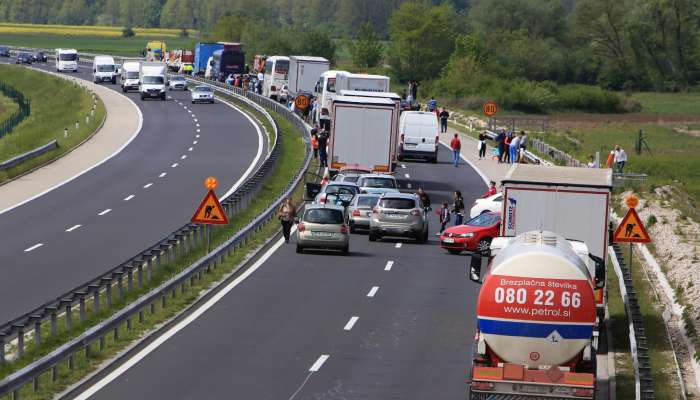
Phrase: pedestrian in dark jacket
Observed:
(286, 214)
(424, 198)
(482, 145)
(322, 150)
(500, 140)
(458, 207)
(444, 116)
(444, 216)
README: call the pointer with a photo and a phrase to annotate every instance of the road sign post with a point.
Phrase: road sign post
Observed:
(210, 211)
(631, 229)
(490, 108)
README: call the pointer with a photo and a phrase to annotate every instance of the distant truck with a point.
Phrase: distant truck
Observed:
(572, 202)
(276, 76)
(203, 53)
(153, 80)
(104, 69)
(177, 58)
(156, 51)
(361, 133)
(259, 63)
(304, 73)
(130, 75)
(537, 333)
(332, 82)
(230, 60)
(67, 60)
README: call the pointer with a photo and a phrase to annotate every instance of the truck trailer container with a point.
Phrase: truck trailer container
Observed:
(304, 72)
(361, 133)
(202, 53)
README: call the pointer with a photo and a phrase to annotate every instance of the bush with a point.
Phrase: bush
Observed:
(127, 32)
(651, 220)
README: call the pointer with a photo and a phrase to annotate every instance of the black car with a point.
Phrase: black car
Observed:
(24, 58)
(39, 56)
(410, 105)
(4, 51)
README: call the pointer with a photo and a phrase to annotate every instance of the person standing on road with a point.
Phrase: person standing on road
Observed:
(414, 91)
(424, 199)
(500, 140)
(444, 116)
(444, 217)
(322, 149)
(458, 207)
(492, 190)
(456, 146)
(482, 145)
(506, 146)
(314, 144)
(286, 215)
(620, 159)
(514, 149)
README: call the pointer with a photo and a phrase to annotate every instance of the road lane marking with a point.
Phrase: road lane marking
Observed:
(146, 186)
(185, 107)
(319, 363)
(72, 228)
(195, 120)
(129, 197)
(162, 174)
(193, 115)
(36, 246)
(407, 176)
(409, 186)
(104, 212)
(197, 125)
(174, 165)
(403, 166)
(350, 323)
(198, 131)
(389, 264)
(373, 291)
(195, 142)
(398, 245)
(183, 156)
(189, 111)
(190, 149)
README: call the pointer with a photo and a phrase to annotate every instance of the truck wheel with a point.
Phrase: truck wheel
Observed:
(433, 160)
(162, 97)
(143, 97)
(123, 89)
(399, 157)
(114, 81)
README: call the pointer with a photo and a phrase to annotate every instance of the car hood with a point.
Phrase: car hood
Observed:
(460, 229)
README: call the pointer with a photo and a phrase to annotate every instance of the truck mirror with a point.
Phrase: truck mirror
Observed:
(599, 271)
(475, 263)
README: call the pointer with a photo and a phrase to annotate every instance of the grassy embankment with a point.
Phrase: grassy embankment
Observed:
(55, 104)
(7, 107)
(287, 165)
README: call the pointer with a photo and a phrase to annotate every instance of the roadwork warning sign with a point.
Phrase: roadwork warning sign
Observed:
(210, 211)
(631, 229)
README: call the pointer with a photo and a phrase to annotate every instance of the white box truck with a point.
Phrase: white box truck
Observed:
(304, 73)
(130, 75)
(362, 82)
(571, 202)
(361, 133)
(67, 60)
(104, 69)
(153, 79)
(325, 92)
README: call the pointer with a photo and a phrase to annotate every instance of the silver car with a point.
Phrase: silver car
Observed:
(399, 214)
(360, 211)
(342, 192)
(323, 227)
(177, 83)
(202, 94)
(350, 177)
(377, 184)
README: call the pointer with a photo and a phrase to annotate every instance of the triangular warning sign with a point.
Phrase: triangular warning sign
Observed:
(210, 211)
(631, 229)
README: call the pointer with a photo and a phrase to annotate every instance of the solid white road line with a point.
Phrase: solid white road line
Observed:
(107, 211)
(319, 363)
(36, 246)
(162, 174)
(72, 228)
(174, 165)
(373, 291)
(350, 323)
(183, 156)
(181, 325)
(129, 197)
(146, 186)
(389, 264)
(398, 245)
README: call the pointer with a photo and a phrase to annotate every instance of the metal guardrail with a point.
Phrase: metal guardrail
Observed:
(23, 112)
(28, 155)
(644, 386)
(142, 267)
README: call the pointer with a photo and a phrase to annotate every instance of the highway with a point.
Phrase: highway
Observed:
(394, 320)
(109, 214)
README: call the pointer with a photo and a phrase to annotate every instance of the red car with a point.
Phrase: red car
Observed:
(475, 235)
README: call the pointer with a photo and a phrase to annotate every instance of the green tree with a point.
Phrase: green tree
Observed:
(366, 49)
(317, 42)
(229, 28)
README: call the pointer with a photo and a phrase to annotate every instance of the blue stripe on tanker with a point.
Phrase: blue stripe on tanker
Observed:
(527, 329)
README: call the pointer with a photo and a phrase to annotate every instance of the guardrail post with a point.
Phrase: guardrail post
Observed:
(81, 305)
(120, 283)
(20, 339)
(37, 329)
(130, 277)
(107, 282)
(71, 362)
(128, 324)
(35, 383)
(102, 342)
(87, 350)
(148, 260)
(95, 297)
(54, 373)
(15, 394)
(139, 272)
(2, 348)
(53, 311)
(69, 314)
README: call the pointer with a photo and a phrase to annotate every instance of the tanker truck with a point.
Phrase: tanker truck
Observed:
(536, 313)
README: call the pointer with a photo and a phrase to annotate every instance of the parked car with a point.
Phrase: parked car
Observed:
(343, 193)
(475, 235)
(398, 214)
(23, 58)
(410, 105)
(39, 56)
(202, 94)
(4, 51)
(419, 135)
(360, 211)
(351, 177)
(177, 82)
(323, 226)
(377, 184)
(492, 203)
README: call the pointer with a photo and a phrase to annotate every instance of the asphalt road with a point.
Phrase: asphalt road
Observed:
(116, 210)
(268, 338)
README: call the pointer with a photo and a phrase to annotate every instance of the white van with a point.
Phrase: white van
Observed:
(104, 69)
(153, 79)
(276, 76)
(325, 93)
(130, 75)
(67, 60)
(419, 135)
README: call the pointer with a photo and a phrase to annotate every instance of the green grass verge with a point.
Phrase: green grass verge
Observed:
(118, 46)
(7, 108)
(668, 103)
(288, 163)
(55, 104)
(624, 373)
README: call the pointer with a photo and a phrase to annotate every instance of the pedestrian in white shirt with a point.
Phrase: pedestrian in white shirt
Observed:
(620, 158)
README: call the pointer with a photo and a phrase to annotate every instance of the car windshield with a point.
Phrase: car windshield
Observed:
(384, 183)
(105, 68)
(330, 86)
(67, 57)
(350, 178)
(132, 75)
(334, 189)
(398, 204)
(323, 216)
(153, 80)
(485, 219)
(367, 201)
(177, 78)
(203, 89)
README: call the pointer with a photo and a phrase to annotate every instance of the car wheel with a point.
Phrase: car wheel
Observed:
(352, 228)
(346, 250)
(143, 97)
(483, 245)
(124, 89)
(453, 251)
(300, 249)
(433, 160)
(373, 237)
(399, 157)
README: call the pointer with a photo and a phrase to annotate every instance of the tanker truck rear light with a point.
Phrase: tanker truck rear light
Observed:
(482, 386)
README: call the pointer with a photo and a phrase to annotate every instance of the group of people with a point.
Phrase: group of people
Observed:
(509, 145)
(457, 207)
(319, 141)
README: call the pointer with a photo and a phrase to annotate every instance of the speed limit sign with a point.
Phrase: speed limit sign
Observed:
(490, 108)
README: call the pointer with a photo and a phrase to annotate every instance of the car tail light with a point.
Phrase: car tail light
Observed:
(482, 385)
(403, 137)
(356, 213)
(301, 227)
(416, 213)
(343, 229)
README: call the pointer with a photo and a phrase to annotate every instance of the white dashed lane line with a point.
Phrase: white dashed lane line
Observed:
(190, 149)
(72, 228)
(183, 156)
(36, 246)
(319, 363)
(195, 120)
(162, 174)
(198, 131)
(373, 291)
(197, 136)
(407, 176)
(195, 142)
(389, 264)
(105, 212)
(129, 197)
(174, 165)
(398, 245)
(146, 186)
(350, 323)
(197, 125)
(403, 166)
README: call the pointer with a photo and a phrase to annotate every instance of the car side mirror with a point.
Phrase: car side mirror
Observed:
(599, 271)
(476, 264)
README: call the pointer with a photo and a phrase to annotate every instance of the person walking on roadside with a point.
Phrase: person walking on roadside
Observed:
(456, 146)
(458, 207)
(424, 199)
(314, 144)
(444, 116)
(482, 145)
(620, 159)
(444, 217)
(432, 104)
(500, 142)
(506, 146)
(514, 149)
(491, 191)
(286, 215)
(414, 91)
(322, 149)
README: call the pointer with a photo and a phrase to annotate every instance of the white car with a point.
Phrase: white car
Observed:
(177, 82)
(377, 184)
(492, 203)
(202, 94)
(284, 94)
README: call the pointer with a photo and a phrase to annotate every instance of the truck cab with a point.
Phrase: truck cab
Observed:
(130, 75)
(325, 91)
(104, 69)
(153, 80)
(67, 60)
